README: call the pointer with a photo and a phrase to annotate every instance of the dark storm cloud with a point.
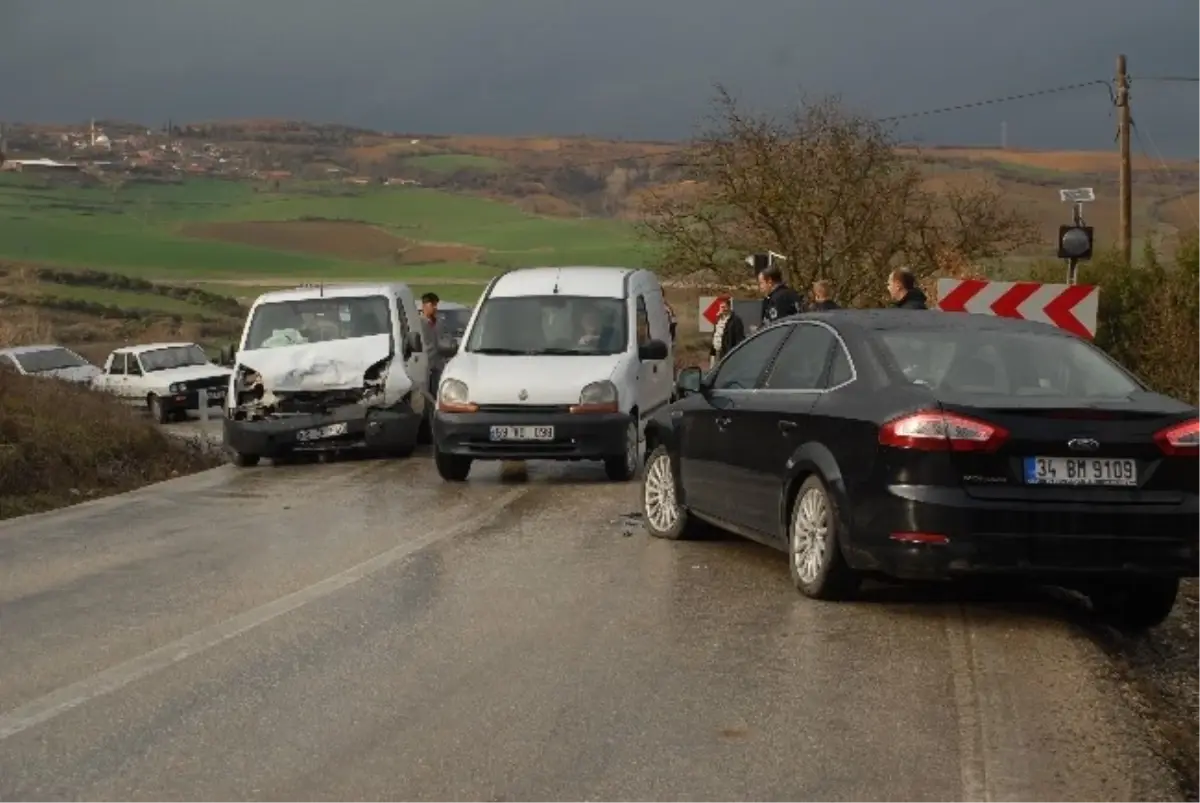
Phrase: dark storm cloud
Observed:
(606, 67)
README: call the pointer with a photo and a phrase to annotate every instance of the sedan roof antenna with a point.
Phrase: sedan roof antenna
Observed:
(557, 274)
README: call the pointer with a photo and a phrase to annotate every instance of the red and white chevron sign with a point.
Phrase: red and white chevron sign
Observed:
(1068, 306)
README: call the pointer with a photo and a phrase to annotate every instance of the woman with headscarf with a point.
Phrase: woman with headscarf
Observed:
(727, 332)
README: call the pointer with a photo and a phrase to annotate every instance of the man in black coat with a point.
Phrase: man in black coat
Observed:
(779, 300)
(902, 287)
(823, 296)
(727, 332)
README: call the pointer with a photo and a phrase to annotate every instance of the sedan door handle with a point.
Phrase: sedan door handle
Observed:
(786, 426)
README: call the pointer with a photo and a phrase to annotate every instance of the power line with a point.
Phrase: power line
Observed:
(1157, 162)
(1166, 79)
(892, 118)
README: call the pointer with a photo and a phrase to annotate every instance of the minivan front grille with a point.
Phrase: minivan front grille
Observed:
(525, 409)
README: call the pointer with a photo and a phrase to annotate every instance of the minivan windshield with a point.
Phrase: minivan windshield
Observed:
(998, 363)
(550, 325)
(55, 359)
(313, 320)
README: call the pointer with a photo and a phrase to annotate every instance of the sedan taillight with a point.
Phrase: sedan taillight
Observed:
(935, 431)
(1180, 440)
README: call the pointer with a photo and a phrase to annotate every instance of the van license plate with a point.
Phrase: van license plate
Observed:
(522, 433)
(319, 433)
(1081, 471)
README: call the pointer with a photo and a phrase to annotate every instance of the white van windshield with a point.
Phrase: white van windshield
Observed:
(552, 325)
(313, 320)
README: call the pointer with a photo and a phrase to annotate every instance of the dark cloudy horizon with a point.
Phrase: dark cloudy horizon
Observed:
(611, 68)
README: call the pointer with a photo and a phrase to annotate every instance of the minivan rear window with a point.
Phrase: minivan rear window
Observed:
(550, 325)
(1005, 363)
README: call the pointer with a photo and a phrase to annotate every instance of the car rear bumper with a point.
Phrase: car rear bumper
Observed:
(1045, 540)
(590, 436)
(365, 427)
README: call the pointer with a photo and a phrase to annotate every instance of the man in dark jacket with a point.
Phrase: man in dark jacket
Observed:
(902, 287)
(779, 300)
(822, 296)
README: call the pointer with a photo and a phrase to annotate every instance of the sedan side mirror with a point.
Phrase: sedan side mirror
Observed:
(688, 381)
(653, 350)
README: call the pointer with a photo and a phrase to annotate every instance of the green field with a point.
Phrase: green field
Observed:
(138, 229)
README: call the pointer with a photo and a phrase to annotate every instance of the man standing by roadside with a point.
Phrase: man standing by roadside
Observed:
(902, 287)
(727, 332)
(823, 296)
(432, 333)
(779, 300)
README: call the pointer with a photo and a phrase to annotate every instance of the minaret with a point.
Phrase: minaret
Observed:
(92, 128)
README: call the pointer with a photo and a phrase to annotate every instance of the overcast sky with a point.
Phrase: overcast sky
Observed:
(630, 68)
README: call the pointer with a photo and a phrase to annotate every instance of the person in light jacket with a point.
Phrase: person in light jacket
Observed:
(727, 332)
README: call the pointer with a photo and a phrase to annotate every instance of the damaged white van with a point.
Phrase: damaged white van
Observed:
(326, 369)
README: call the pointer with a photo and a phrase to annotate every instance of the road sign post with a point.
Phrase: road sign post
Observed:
(1075, 240)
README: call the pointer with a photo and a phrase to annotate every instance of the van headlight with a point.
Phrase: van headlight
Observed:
(177, 387)
(453, 397)
(597, 397)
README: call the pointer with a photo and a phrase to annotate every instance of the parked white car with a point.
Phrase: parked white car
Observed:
(50, 361)
(326, 369)
(170, 379)
(557, 364)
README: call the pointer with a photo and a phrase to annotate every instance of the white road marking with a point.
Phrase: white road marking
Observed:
(62, 700)
(971, 758)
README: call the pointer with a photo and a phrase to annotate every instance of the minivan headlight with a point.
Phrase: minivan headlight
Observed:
(453, 397)
(597, 397)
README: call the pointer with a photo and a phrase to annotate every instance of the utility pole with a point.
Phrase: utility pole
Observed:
(1124, 124)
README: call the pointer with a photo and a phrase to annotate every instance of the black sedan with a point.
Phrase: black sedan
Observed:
(934, 446)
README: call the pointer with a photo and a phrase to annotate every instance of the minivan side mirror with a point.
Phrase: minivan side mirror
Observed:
(653, 350)
(688, 381)
(412, 343)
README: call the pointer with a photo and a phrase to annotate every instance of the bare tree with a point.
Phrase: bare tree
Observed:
(827, 189)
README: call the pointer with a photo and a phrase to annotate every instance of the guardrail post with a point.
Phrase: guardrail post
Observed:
(202, 404)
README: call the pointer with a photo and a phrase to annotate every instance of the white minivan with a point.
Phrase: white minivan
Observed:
(557, 364)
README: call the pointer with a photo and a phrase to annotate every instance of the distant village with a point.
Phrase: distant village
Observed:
(171, 153)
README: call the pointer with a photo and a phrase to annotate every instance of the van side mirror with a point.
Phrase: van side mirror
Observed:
(412, 343)
(653, 350)
(688, 381)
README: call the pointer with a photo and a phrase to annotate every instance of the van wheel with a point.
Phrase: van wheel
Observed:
(157, 411)
(624, 467)
(244, 460)
(1135, 605)
(452, 467)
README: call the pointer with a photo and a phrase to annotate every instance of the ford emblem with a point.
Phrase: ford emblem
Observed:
(523, 395)
(1083, 444)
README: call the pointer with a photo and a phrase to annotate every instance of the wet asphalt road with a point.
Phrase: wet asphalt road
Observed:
(361, 630)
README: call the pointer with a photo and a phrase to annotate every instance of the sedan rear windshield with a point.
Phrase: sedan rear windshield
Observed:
(34, 362)
(1006, 363)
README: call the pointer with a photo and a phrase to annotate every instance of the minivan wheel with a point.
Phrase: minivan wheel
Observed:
(243, 460)
(452, 467)
(624, 467)
(1135, 605)
(815, 557)
(664, 516)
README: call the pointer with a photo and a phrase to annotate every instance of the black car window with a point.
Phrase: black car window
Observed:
(802, 360)
(839, 372)
(745, 364)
